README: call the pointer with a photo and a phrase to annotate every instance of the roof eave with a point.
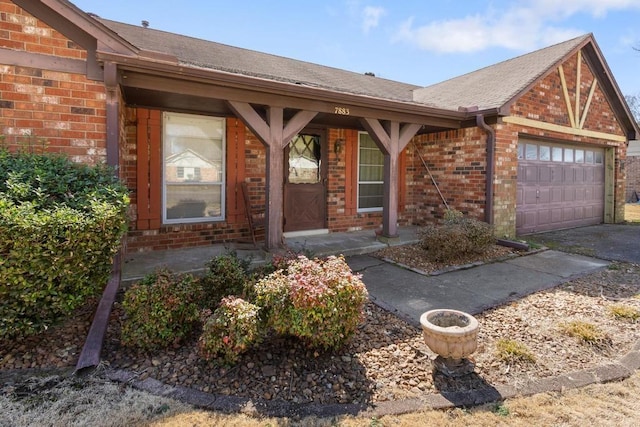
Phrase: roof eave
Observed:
(166, 67)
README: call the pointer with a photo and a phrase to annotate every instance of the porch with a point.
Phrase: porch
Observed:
(194, 259)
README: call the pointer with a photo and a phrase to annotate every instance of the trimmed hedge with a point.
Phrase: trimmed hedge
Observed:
(61, 223)
(161, 310)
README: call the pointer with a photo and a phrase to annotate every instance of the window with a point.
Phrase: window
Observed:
(531, 152)
(568, 155)
(193, 168)
(545, 153)
(556, 154)
(370, 175)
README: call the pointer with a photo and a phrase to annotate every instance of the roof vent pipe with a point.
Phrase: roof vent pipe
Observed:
(491, 148)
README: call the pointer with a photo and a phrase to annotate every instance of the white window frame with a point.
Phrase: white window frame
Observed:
(359, 209)
(223, 174)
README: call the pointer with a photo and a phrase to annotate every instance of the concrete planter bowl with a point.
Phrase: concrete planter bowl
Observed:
(453, 335)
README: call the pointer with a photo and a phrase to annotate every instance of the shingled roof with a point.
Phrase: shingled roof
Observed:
(200, 53)
(494, 86)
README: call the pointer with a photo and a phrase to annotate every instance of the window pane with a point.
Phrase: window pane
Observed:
(556, 154)
(545, 153)
(370, 174)
(193, 167)
(532, 152)
(304, 159)
(598, 157)
(520, 151)
(579, 156)
(193, 201)
(589, 157)
(568, 154)
(370, 196)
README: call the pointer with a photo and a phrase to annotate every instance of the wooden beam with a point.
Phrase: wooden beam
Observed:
(43, 62)
(594, 84)
(275, 178)
(275, 135)
(260, 96)
(296, 124)
(252, 119)
(392, 138)
(567, 100)
(113, 115)
(578, 86)
(378, 133)
(563, 129)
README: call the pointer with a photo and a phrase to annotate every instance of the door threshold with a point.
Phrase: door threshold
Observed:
(301, 233)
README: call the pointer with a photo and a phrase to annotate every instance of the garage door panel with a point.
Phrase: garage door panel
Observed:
(568, 194)
(554, 195)
(544, 195)
(544, 174)
(556, 215)
(544, 216)
(530, 196)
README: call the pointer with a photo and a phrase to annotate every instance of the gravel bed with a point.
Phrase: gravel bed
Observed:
(386, 359)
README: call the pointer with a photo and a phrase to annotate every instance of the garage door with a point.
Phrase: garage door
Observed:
(558, 187)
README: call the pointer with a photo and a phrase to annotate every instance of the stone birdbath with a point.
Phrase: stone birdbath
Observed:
(453, 335)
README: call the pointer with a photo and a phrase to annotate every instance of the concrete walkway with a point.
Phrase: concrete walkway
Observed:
(473, 290)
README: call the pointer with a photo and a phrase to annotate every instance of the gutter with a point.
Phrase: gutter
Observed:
(491, 148)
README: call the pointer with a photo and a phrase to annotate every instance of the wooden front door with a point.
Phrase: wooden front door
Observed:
(305, 197)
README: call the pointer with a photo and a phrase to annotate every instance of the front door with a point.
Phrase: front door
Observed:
(305, 180)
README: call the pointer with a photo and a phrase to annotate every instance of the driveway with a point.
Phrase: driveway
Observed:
(613, 242)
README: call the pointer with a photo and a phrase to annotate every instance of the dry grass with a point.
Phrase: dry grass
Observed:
(632, 212)
(610, 404)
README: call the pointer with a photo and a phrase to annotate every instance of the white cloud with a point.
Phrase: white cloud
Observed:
(523, 25)
(371, 17)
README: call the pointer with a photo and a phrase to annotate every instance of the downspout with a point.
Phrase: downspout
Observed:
(491, 148)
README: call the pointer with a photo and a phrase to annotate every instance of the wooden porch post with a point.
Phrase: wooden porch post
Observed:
(275, 135)
(391, 139)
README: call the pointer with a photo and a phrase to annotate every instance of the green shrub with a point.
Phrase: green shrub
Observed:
(160, 310)
(317, 301)
(456, 237)
(61, 223)
(226, 275)
(232, 329)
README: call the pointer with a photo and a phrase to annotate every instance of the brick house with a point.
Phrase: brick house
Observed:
(530, 144)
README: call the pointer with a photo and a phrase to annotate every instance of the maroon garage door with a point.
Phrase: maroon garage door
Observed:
(558, 187)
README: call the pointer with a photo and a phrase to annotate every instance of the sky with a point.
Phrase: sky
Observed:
(421, 42)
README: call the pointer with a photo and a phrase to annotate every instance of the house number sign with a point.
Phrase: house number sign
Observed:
(343, 111)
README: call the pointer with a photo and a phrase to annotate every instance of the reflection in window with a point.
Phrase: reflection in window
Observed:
(588, 156)
(193, 174)
(545, 153)
(304, 159)
(532, 152)
(579, 156)
(568, 154)
(598, 158)
(370, 174)
(556, 154)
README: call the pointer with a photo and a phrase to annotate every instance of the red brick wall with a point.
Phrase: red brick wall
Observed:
(633, 178)
(457, 162)
(66, 110)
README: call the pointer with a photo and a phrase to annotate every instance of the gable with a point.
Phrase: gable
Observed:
(570, 96)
